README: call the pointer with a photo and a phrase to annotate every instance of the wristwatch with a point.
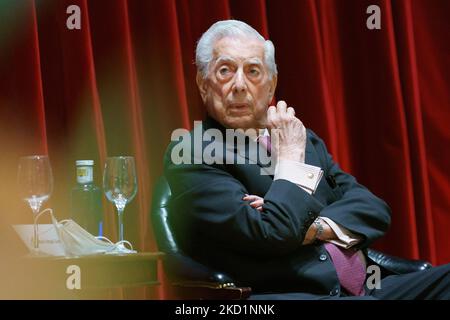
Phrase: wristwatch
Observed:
(319, 227)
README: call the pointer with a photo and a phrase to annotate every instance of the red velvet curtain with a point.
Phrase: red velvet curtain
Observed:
(121, 84)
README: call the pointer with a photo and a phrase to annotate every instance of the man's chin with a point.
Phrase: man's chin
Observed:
(241, 122)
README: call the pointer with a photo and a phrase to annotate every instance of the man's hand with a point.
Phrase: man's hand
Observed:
(289, 140)
(310, 236)
(326, 235)
(256, 202)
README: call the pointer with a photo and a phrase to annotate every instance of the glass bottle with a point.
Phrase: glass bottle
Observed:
(86, 199)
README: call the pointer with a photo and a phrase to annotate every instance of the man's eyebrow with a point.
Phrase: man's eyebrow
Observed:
(255, 61)
(224, 59)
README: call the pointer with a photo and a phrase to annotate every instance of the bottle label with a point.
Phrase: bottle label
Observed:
(85, 174)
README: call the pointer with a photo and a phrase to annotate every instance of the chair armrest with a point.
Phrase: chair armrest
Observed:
(209, 290)
(192, 280)
(182, 268)
(395, 265)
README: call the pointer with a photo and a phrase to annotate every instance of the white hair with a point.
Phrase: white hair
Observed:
(230, 28)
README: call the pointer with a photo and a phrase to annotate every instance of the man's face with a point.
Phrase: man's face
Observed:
(238, 88)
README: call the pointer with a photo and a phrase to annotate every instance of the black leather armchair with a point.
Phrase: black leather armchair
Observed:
(192, 280)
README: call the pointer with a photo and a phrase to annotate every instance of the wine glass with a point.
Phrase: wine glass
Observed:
(120, 184)
(35, 181)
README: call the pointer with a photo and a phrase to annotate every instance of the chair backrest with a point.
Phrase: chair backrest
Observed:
(159, 217)
(177, 264)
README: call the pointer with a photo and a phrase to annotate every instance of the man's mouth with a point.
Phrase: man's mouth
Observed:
(238, 107)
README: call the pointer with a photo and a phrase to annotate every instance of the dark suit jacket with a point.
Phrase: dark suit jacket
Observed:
(264, 250)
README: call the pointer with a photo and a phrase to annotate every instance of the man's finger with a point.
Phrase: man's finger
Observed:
(271, 111)
(257, 203)
(251, 197)
(291, 112)
(281, 107)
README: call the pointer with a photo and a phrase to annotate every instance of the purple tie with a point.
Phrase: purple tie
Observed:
(265, 141)
(349, 268)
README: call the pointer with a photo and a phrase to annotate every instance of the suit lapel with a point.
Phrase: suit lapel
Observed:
(249, 169)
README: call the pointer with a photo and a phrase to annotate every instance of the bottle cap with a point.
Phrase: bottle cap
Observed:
(84, 162)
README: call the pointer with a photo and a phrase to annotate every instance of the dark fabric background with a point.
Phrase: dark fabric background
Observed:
(121, 84)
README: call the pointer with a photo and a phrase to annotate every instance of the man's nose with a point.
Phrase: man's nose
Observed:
(239, 82)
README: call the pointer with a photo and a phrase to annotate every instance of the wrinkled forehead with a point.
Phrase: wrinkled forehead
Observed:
(239, 49)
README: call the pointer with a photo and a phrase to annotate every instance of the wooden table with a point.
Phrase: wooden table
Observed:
(87, 277)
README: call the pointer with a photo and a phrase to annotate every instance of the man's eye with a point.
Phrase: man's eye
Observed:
(254, 72)
(224, 70)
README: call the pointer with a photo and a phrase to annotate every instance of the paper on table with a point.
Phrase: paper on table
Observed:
(49, 242)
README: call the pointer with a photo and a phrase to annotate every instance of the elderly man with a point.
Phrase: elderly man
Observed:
(298, 233)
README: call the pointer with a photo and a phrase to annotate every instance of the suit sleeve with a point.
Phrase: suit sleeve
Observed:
(209, 201)
(358, 210)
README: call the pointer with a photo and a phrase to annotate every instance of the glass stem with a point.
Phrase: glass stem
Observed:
(35, 233)
(120, 223)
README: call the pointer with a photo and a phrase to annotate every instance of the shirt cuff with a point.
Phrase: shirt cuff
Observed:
(304, 175)
(345, 238)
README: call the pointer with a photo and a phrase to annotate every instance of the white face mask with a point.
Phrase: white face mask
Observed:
(78, 242)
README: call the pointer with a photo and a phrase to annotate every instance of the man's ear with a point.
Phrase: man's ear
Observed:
(201, 84)
(273, 86)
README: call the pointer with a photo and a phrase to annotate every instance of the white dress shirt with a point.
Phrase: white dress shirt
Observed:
(308, 177)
